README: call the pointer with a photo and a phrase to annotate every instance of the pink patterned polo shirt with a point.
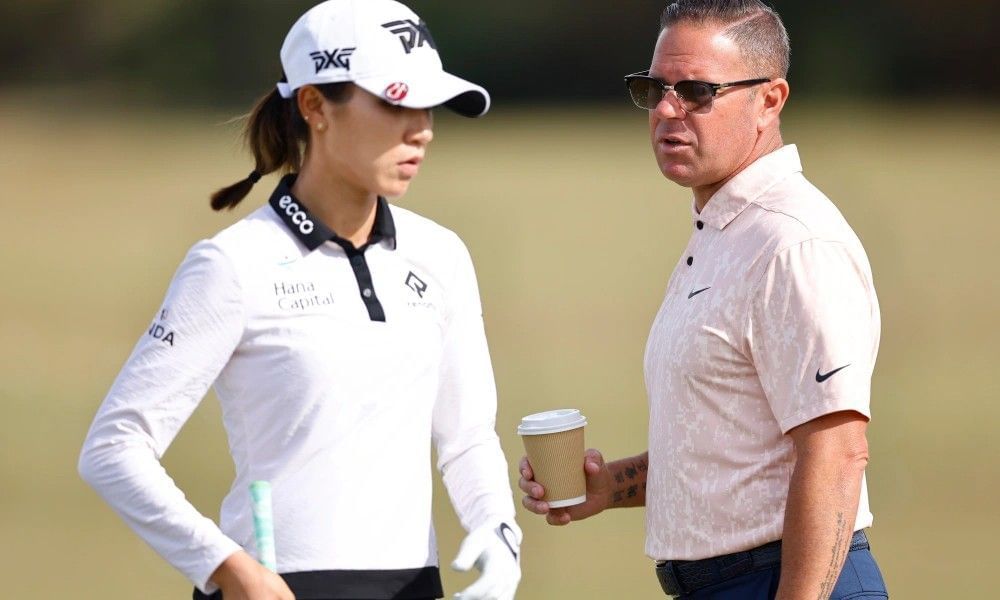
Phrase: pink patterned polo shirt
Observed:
(770, 320)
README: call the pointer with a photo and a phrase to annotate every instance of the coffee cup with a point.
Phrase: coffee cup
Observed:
(553, 441)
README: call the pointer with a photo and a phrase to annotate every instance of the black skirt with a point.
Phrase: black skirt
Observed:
(400, 584)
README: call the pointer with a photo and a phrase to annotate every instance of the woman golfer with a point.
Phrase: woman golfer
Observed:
(342, 334)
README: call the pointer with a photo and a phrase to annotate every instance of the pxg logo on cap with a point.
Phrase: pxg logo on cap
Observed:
(328, 59)
(411, 35)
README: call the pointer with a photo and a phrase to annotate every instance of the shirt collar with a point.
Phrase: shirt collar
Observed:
(748, 185)
(311, 231)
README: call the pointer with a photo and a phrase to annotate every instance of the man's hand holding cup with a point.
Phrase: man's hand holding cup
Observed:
(560, 480)
(599, 486)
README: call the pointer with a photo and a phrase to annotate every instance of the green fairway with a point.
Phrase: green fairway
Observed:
(573, 232)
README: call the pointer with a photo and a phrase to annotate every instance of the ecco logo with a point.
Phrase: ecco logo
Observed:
(339, 58)
(298, 218)
(411, 35)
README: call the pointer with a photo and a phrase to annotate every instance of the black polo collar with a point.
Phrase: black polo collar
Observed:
(311, 231)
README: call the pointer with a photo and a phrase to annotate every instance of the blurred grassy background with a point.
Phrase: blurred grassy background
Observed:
(574, 233)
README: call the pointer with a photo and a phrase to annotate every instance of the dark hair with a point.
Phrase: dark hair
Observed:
(754, 26)
(276, 134)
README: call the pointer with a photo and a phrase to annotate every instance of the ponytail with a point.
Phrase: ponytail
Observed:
(276, 134)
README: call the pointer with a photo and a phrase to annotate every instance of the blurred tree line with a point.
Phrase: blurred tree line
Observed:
(224, 52)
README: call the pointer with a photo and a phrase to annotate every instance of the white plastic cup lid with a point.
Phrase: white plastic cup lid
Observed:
(551, 421)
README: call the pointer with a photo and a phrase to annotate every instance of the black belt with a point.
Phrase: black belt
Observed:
(679, 577)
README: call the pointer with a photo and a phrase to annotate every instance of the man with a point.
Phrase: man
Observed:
(758, 366)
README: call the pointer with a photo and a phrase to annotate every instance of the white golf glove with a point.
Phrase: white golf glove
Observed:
(494, 549)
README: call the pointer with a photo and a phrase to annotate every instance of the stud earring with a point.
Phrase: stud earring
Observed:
(321, 126)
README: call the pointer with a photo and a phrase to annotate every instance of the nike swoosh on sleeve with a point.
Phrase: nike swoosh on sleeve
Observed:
(821, 377)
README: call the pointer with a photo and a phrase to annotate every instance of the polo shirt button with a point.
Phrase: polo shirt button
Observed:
(367, 293)
(700, 225)
(690, 260)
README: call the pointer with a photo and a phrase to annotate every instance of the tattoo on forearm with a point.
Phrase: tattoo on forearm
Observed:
(837, 555)
(627, 477)
(639, 465)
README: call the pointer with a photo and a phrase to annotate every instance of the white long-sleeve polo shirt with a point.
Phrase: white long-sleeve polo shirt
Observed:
(334, 368)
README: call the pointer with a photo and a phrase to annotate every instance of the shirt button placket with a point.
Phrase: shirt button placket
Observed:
(700, 225)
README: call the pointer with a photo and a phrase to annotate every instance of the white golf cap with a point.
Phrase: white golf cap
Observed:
(382, 47)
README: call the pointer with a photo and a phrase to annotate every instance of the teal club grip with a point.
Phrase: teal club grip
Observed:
(263, 524)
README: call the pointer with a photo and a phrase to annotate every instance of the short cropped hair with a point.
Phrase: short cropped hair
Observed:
(754, 26)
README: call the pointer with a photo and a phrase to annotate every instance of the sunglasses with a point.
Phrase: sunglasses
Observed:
(647, 92)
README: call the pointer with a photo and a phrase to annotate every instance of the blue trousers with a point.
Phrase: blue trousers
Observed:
(860, 579)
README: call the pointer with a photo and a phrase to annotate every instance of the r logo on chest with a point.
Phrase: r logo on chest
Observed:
(416, 284)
